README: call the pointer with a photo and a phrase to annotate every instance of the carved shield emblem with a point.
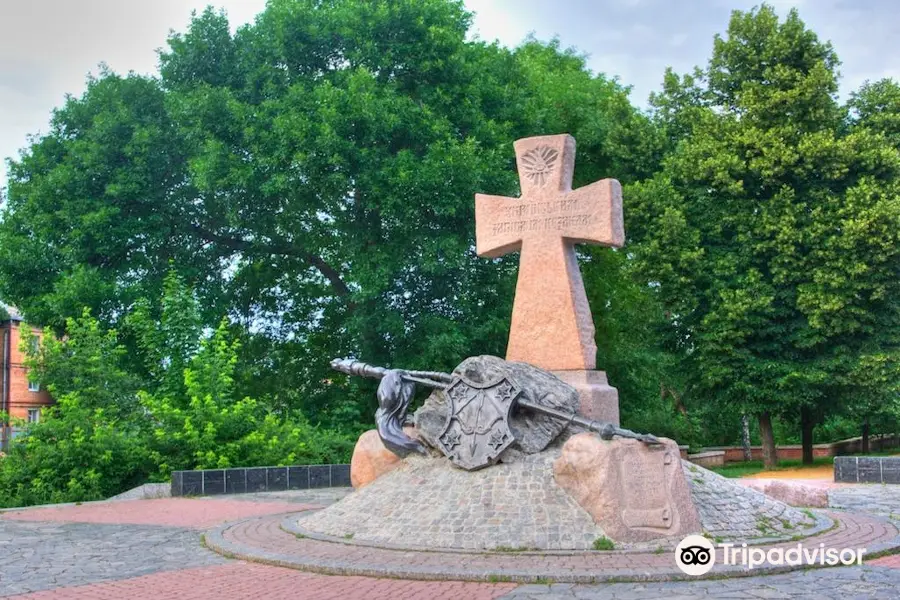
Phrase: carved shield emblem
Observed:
(477, 428)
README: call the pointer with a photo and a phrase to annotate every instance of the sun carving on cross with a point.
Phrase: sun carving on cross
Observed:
(538, 164)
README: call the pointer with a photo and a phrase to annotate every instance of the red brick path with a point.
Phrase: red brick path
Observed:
(194, 513)
(239, 580)
(264, 539)
(892, 562)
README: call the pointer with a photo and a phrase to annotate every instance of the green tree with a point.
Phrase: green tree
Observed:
(167, 335)
(311, 176)
(92, 443)
(210, 427)
(876, 107)
(771, 232)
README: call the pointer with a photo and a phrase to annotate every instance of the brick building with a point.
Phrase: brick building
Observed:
(19, 398)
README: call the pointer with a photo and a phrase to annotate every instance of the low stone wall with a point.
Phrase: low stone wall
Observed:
(259, 479)
(713, 458)
(795, 451)
(867, 469)
(792, 452)
(877, 443)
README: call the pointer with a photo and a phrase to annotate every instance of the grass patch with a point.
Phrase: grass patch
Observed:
(348, 536)
(499, 578)
(659, 550)
(514, 549)
(604, 543)
(764, 525)
(742, 469)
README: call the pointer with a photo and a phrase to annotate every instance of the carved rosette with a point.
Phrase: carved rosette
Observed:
(538, 164)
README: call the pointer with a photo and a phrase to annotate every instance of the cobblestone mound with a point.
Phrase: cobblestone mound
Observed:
(731, 511)
(427, 503)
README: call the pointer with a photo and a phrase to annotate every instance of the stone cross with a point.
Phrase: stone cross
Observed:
(551, 324)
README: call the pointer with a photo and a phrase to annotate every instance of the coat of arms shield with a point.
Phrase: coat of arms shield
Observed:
(477, 428)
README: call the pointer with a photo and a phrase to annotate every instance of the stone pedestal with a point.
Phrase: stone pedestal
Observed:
(598, 400)
(635, 492)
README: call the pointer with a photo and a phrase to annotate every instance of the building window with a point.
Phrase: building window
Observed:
(34, 386)
(34, 415)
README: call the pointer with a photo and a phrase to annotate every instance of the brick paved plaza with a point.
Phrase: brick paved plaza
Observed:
(153, 549)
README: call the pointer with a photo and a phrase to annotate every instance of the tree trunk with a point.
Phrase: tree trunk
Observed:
(770, 458)
(806, 434)
(865, 436)
(745, 437)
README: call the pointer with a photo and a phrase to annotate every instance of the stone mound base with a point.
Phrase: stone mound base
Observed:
(735, 512)
(427, 503)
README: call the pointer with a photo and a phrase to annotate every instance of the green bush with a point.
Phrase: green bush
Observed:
(112, 429)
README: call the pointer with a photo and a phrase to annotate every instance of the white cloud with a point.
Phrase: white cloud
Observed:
(47, 47)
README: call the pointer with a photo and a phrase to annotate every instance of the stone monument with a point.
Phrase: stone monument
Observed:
(551, 326)
(527, 452)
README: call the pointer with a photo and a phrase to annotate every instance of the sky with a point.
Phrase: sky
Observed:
(48, 47)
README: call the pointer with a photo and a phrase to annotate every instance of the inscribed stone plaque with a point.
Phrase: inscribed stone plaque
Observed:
(633, 491)
(643, 475)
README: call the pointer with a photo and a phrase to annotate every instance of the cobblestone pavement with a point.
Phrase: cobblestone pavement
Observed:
(151, 550)
(873, 498)
(39, 556)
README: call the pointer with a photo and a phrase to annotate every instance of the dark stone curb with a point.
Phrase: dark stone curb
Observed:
(215, 540)
(249, 480)
(867, 469)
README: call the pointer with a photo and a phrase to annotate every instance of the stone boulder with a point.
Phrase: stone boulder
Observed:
(791, 493)
(371, 459)
(635, 492)
(532, 431)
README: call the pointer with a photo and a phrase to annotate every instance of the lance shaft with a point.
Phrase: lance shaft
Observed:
(439, 380)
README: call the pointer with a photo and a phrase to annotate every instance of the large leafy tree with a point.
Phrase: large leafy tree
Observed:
(876, 107)
(772, 232)
(311, 176)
